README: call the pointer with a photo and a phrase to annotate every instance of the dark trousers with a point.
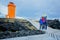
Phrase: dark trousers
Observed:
(43, 26)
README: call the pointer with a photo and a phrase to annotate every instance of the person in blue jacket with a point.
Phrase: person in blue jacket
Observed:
(43, 24)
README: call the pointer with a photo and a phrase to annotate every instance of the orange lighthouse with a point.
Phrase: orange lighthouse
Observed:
(11, 10)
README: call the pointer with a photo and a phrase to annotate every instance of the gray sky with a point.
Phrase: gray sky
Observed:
(33, 8)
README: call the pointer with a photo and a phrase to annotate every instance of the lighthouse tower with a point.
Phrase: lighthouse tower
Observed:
(11, 10)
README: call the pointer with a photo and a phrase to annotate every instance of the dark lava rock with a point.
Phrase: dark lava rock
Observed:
(55, 24)
(16, 29)
(8, 34)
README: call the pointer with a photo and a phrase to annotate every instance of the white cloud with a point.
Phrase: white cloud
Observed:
(17, 17)
(3, 10)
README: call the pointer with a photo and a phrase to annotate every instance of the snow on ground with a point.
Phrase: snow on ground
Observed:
(51, 34)
(36, 37)
(36, 24)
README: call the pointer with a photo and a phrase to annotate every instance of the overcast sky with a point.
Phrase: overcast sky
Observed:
(33, 8)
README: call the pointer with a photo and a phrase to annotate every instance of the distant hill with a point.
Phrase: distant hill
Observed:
(55, 24)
